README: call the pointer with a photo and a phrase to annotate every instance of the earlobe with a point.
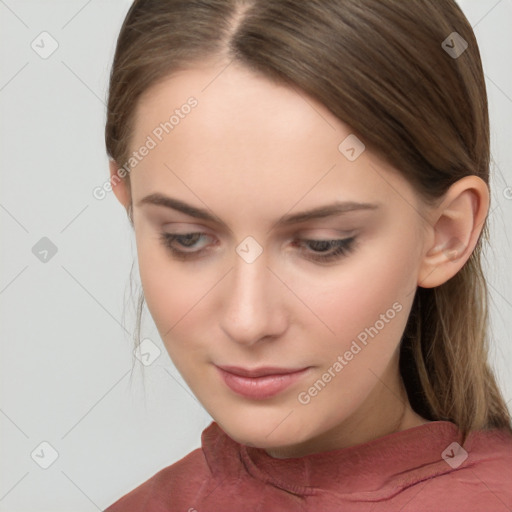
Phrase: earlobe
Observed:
(460, 219)
(119, 185)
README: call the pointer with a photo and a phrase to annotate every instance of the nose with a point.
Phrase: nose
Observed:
(253, 303)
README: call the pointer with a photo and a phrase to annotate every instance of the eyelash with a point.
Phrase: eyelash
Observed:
(342, 247)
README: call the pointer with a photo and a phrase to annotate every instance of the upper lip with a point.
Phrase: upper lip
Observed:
(259, 372)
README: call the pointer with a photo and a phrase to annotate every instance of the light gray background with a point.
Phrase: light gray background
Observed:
(66, 323)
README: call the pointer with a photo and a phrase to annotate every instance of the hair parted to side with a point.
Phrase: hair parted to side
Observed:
(378, 65)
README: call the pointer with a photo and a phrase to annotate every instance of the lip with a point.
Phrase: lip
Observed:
(260, 383)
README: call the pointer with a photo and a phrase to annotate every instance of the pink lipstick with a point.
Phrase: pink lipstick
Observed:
(260, 383)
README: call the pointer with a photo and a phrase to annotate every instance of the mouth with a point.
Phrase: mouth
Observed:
(260, 383)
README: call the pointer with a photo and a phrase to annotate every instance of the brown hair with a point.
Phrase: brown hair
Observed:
(380, 67)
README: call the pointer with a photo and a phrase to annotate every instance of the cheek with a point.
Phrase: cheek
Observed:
(365, 299)
(367, 308)
(179, 298)
(170, 292)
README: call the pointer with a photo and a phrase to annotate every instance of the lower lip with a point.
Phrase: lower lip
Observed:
(259, 388)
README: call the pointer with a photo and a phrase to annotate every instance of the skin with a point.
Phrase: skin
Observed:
(251, 152)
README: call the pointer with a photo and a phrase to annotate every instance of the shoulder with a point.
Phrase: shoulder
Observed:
(479, 476)
(176, 487)
(153, 495)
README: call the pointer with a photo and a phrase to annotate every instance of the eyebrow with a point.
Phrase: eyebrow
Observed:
(321, 212)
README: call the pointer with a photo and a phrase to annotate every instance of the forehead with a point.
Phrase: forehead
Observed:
(245, 138)
(234, 101)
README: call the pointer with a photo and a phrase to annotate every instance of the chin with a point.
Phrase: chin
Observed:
(269, 434)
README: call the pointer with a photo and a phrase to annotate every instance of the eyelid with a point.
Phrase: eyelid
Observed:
(188, 227)
(330, 234)
(299, 232)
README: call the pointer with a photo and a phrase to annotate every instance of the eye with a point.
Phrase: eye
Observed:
(323, 251)
(185, 241)
(326, 251)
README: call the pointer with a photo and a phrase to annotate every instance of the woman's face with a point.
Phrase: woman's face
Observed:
(247, 279)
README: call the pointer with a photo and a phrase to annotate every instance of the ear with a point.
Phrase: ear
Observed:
(458, 222)
(119, 184)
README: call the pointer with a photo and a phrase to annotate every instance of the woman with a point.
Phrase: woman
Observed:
(308, 183)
